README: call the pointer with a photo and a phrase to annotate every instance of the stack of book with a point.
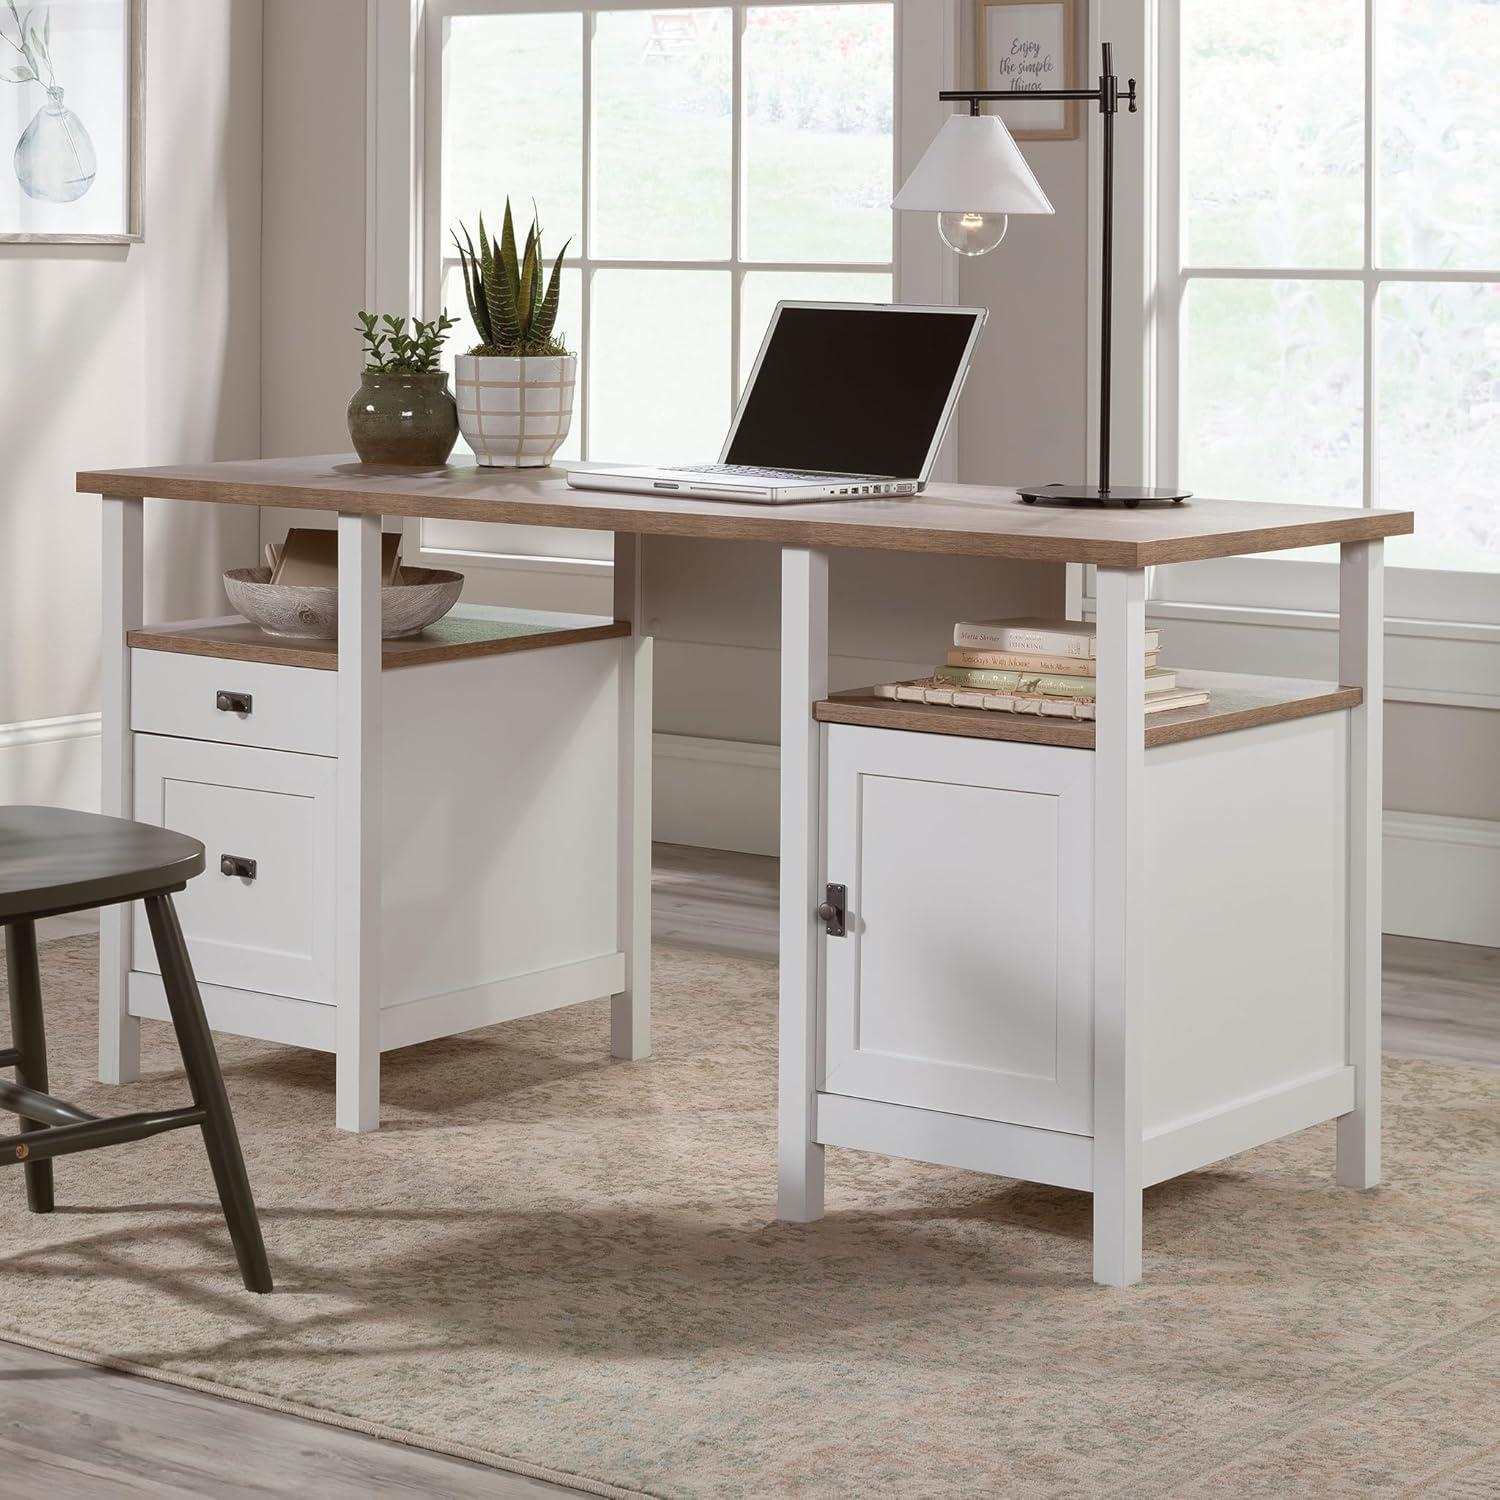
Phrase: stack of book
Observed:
(1031, 666)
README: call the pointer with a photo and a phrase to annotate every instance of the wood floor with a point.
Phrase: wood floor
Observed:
(78, 1432)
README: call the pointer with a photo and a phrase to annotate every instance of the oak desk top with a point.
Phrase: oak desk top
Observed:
(960, 519)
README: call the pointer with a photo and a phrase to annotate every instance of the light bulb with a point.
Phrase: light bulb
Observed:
(971, 233)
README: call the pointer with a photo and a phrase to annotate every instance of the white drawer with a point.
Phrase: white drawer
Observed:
(272, 933)
(291, 708)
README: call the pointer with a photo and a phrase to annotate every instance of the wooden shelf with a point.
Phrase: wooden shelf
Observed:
(472, 630)
(1235, 702)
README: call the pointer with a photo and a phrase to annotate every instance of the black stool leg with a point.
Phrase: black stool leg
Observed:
(30, 1039)
(207, 1083)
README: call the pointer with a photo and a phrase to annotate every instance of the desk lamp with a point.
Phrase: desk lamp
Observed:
(973, 177)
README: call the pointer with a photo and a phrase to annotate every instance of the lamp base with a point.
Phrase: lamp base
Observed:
(1128, 495)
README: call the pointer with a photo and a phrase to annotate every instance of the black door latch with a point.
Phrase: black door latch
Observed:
(831, 912)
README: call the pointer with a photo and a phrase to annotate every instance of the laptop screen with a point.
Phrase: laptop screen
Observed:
(852, 390)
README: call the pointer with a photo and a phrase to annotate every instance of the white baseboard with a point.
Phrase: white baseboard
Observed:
(51, 762)
(1442, 878)
(1442, 875)
(717, 794)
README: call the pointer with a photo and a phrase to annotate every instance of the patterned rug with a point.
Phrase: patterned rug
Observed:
(569, 1267)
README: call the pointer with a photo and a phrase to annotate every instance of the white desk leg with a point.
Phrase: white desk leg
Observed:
(120, 609)
(357, 940)
(630, 1010)
(804, 680)
(1362, 665)
(1119, 903)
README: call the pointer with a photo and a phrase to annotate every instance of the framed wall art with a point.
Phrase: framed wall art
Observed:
(72, 114)
(1025, 45)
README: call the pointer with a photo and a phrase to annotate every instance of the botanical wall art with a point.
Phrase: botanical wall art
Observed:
(72, 74)
(1026, 45)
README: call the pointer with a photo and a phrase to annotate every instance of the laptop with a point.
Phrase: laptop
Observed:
(845, 399)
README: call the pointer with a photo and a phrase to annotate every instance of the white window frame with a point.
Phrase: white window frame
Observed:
(1257, 614)
(407, 256)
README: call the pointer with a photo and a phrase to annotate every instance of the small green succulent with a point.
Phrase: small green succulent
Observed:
(512, 311)
(391, 350)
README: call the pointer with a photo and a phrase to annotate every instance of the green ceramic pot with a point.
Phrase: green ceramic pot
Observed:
(403, 418)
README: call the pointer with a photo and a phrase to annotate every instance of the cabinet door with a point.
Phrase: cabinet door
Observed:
(272, 933)
(964, 983)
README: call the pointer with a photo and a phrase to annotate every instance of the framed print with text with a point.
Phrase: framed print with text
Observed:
(1025, 45)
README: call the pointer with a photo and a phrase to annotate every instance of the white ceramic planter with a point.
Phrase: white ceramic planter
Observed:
(515, 413)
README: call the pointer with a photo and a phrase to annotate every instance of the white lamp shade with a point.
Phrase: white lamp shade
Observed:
(973, 166)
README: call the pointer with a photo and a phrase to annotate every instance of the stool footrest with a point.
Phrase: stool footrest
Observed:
(63, 1140)
(9, 1056)
(31, 1104)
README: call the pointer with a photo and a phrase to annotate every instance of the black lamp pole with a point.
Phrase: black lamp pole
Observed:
(1107, 96)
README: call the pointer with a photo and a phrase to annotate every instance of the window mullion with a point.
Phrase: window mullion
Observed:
(736, 190)
(582, 390)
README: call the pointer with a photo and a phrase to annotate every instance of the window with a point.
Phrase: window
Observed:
(700, 162)
(1330, 268)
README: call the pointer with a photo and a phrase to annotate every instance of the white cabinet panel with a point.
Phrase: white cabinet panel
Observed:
(1247, 864)
(987, 980)
(272, 933)
(499, 831)
(964, 982)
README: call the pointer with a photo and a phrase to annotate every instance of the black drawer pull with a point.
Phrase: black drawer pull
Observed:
(237, 864)
(233, 703)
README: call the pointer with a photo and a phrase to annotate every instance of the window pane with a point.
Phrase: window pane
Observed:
(1272, 132)
(513, 123)
(659, 368)
(762, 290)
(817, 132)
(1272, 386)
(1439, 133)
(1438, 420)
(663, 85)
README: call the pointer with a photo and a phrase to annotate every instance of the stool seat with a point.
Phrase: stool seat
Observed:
(54, 860)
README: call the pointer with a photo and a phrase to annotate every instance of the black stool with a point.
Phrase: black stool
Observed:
(54, 861)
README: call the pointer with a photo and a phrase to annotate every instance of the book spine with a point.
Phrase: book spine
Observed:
(1026, 661)
(1018, 682)
(979, 677)
(1022, 638)
(979, 636)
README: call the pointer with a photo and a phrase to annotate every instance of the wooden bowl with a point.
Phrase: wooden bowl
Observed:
(311, 613)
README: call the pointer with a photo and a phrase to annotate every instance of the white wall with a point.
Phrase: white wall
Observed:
(129, 355)
(313, 246)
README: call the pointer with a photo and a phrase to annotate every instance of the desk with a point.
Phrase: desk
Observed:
(1107, 1147)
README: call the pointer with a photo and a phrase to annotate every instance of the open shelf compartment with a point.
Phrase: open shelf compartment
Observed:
(468, 630)
(1235, 702)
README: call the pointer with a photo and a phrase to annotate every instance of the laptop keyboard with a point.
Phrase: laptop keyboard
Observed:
(750, 471)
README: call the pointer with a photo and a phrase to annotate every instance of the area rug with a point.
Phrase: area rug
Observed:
(569, 1267)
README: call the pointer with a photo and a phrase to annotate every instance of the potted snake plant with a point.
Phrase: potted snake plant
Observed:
(515, 386)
